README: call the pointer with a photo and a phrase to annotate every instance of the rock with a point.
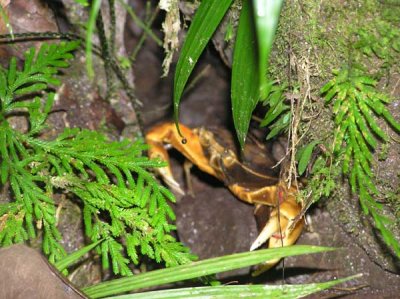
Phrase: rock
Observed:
(26, 274)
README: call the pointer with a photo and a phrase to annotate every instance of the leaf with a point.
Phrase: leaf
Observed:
(12, 71)
(49, 103)
(31, 88)
(305, 156)
(94, 11)
(371, 122)
(205, 22)
(6, 20)
(240, 291)
(196, 269)
(82, 2)
(319, 163)
(266, 16)
(3, 88)
(29, 55)
(327, 86)
(245, 84)
(4, 171)
(75, 256)
(273, 113)
(138, 22)
(390, 119)
(281, 124)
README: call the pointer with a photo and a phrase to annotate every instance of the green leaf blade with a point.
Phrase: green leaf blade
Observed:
(245, 85)
(205, 22)
(240, 291)
(197, 269)
(94, 11)
(266, 16)
(74, 257)
(274, 112)
(305, 156)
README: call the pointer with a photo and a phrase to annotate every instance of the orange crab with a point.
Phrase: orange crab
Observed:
(201, 147)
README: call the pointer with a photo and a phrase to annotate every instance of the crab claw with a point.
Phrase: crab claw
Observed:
(166, 134)
(157, 139)
(167, 177)
(282, 229)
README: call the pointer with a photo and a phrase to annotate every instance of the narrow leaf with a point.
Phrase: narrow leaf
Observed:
(94, 11)
(30, 89)
(306, 156)
(3, 89)
(273, 113)
(4, 171)
(266, 15)
(327, 86)
(6, 20)
(281, 124)
(207, 18)
(245, 84)
(391, 120)
(240, 291)
(75, 256)
(196, 269)
(12, 71)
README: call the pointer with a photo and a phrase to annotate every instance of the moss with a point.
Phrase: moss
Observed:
(313, 39)
(325, 35)
(383, 151)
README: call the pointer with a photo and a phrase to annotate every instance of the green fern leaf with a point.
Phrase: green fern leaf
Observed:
(83, 163)
(355, 98)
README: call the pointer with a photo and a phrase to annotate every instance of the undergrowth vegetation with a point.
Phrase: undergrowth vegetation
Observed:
(356, 100)
(121, 199)
(126, 212)
(366, 53)
(359, 101)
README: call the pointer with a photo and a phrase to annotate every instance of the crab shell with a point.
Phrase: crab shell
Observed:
(203, 150)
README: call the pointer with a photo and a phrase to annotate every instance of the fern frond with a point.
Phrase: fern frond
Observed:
(355, 101)
(39, 71)
(122, 201)
(278, 115)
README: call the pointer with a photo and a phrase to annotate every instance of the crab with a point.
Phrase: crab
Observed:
(202, 148)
